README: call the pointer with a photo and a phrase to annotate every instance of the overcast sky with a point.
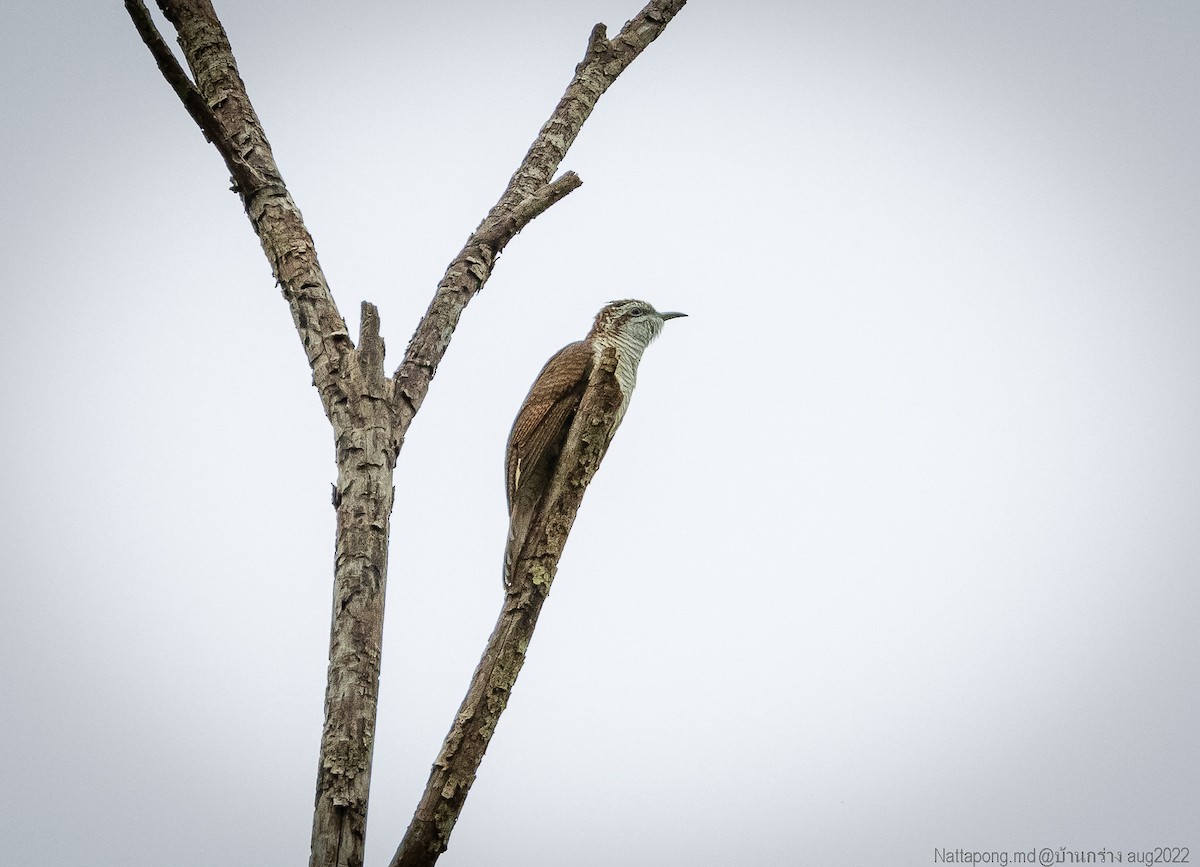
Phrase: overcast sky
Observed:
(897, 549)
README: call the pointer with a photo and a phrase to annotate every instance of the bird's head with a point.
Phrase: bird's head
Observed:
(630, 321)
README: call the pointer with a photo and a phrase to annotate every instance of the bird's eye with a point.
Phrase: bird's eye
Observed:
(636, 311)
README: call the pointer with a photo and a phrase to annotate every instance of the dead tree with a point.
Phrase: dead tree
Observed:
(371, 412)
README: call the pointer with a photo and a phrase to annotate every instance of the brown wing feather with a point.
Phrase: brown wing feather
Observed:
(548, 409)
(537, 435)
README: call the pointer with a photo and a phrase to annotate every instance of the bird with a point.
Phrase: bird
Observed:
(540, 429)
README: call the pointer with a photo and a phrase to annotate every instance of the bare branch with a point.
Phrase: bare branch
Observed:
(221, 107)
(370, 344)
(462, 751)
(369, 412)
(185, 90)
(358, 400)
(497, 232)
(603, 61)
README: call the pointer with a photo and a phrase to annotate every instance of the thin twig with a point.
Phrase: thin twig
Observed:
(175, 75)
(497, 232)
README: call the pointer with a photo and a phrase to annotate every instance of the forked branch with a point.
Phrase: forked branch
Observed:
(370, 413)
(216, 98)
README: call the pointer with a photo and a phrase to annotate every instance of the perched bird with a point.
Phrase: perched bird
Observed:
(540, 429)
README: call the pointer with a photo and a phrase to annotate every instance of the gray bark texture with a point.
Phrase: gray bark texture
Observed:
(370, 413)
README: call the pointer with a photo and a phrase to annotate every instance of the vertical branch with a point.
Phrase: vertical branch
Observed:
(363, 498)
(358, 400)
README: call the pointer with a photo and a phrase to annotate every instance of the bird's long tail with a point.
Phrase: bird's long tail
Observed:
(518, 528)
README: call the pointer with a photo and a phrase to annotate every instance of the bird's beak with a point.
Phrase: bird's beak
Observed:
(666, 316)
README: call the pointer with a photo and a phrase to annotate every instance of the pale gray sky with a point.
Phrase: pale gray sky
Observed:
(896, 550)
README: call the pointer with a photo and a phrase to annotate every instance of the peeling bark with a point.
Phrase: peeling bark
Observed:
(370, 412)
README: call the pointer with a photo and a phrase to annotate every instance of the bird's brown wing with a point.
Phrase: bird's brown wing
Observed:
(542, 422)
